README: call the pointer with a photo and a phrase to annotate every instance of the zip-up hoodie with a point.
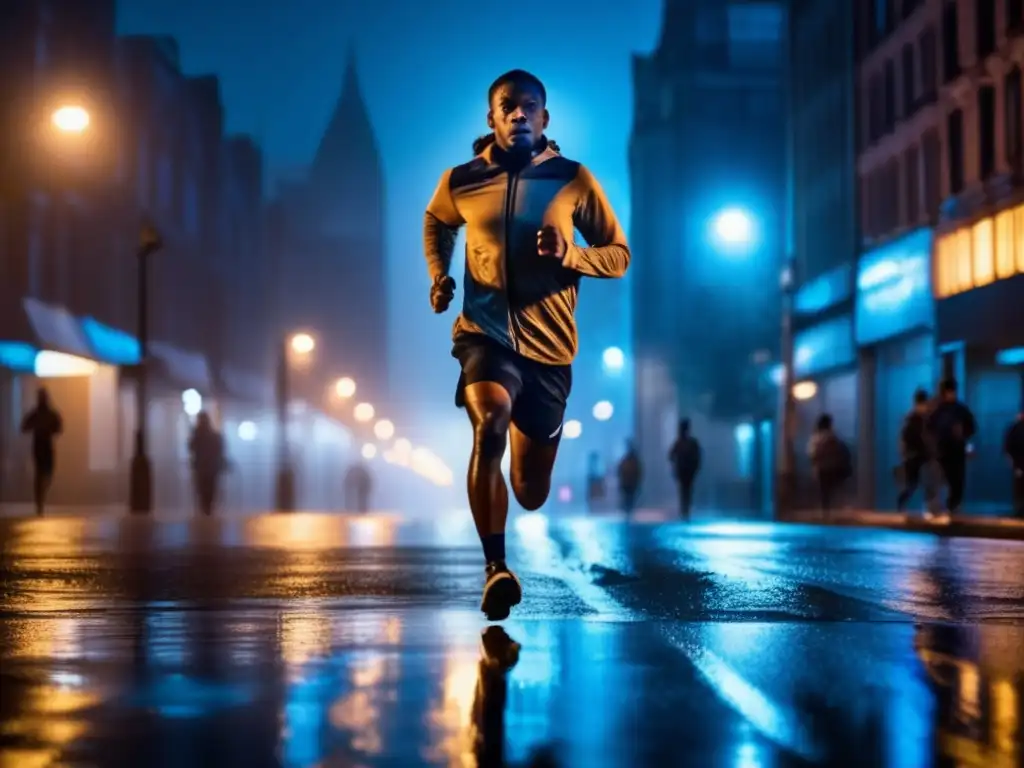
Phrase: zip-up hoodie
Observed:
(513, 294)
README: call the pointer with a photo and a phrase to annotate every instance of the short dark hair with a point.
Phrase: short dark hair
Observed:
(921, 396)
(948, 385)
(824, 422)
(517, 77)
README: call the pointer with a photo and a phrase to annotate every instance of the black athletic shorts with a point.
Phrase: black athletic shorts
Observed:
(539, 392)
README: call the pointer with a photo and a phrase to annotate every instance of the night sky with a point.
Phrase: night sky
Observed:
(425, 68)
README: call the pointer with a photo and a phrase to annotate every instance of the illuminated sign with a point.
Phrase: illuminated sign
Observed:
(894, 288)
(823, 292)
(17, 356)
(823, 347)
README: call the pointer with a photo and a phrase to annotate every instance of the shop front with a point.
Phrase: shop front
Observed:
(895, 333)
(826, 383)
(979, 291)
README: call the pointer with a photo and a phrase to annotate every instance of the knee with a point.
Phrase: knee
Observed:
(490, 433)
(531, 493)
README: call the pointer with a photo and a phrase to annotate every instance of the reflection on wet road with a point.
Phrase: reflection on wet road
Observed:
(314, 640)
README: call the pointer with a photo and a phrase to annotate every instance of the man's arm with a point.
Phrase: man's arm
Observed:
(441, 225)
(608, 254)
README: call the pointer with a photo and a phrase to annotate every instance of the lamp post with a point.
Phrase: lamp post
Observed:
(785, 486)
(301, 345)
(140, 493)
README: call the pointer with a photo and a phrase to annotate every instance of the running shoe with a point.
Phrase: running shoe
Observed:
(502, 591)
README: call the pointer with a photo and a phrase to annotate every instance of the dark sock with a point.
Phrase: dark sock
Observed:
(494, 547)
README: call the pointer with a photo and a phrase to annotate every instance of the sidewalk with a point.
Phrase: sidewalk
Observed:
(970, 526)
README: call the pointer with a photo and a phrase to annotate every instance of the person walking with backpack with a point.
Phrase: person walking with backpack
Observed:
(831, 460)
(917, 449)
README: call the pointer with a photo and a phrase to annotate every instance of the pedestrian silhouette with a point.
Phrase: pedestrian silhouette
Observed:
(685, 458)
(358, 485)
(44, 424)
(630, 474)
(206, 449)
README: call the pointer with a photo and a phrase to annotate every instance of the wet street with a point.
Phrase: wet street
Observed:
(316, 640)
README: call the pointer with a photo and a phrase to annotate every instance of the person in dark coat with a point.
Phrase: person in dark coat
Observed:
(44, 423)
(206, 448)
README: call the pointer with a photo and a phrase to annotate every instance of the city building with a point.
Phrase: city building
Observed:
(940, 281)
(823, 227)
(899, 172)
(979, 251)
(327, 237)
(708, 171)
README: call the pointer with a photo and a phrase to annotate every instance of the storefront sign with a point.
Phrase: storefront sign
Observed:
(823, 292)
(894, 289)
(824, 347)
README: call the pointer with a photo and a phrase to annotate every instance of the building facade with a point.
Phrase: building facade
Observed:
(941, 276)
(707, 184)
(73, 198)
(823, 228)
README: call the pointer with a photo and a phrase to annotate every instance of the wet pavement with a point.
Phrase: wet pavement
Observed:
(315, 640)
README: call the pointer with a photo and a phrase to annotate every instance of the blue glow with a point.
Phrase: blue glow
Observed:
(824, 291)
(1013, 356)
(110, 345)
(823, 347)
(894, 292)
(744, 433)
(733, 232)
(18, 356)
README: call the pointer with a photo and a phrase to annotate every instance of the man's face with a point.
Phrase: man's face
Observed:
(517, 116)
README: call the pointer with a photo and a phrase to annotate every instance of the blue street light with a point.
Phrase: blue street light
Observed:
(613, 360)
(732, 230)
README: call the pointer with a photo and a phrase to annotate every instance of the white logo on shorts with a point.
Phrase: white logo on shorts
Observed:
(554, 434)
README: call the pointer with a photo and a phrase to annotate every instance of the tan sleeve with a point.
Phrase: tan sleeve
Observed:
(441, 225)
(608, 252)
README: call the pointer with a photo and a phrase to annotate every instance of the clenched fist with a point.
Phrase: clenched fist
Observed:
(441, 293)
(551, 243)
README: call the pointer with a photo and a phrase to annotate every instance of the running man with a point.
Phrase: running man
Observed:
(515, 339)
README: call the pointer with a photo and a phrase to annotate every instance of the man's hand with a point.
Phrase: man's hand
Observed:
(441, 293)
(551, 243)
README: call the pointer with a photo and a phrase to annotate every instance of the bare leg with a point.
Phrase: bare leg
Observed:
(532, 464)
(490, 407)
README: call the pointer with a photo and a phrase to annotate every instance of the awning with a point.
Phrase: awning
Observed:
(110, 345)
(242, 385)
(189, 369)
(56, 329)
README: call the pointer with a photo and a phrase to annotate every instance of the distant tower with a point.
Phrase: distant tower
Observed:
(346, 210)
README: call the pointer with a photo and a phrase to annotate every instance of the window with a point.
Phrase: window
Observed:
(912, 177)
(955, 151)
(907, 65)
(931, 149)
(1005, 266)
(881, 18)
(987, 131)
(984, 262)
(1018, 236)
(950, 42)
(963, 240)
(876, 115)
(890, 96)
(1012, 118)
(1014, 15)
(928, 55)
(985, 28)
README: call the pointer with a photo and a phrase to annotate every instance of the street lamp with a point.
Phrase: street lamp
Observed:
(733, 226)
(613, 360)
(300, 346)
(71, 119)
(363, 412)
(384, 429)
(344, 388)
(140, 491)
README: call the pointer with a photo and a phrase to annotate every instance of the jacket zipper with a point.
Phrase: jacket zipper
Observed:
(510, 198)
